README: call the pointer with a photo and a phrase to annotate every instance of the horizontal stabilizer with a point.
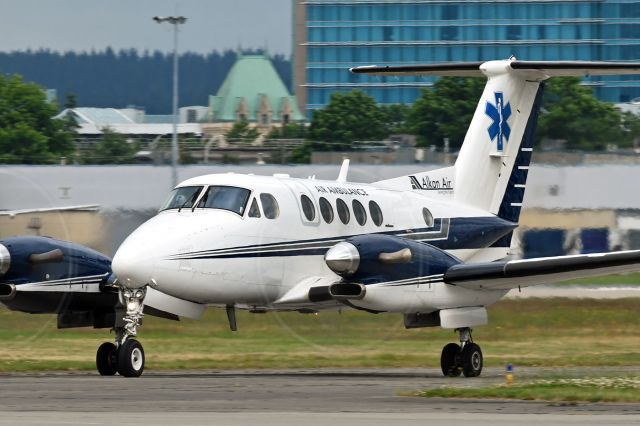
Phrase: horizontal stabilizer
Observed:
(477, 69)
(545, 270)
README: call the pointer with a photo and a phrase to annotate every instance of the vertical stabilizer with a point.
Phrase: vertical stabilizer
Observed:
(492, 167)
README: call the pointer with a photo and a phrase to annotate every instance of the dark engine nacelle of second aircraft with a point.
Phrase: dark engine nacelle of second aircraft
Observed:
(45, 275)
(372, 259)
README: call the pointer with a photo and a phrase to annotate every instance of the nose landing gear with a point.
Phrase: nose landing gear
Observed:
(465, 358)
(126, 356)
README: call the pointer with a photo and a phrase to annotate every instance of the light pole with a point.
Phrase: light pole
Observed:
(175, 21)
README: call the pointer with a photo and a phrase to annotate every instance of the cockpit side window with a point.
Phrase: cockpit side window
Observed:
(182, 198)
(254, 210)
(225, 198)
(269, 206)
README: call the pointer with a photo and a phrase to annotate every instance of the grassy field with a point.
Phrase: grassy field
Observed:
(594, 389)
(555, 332)
(630, 279)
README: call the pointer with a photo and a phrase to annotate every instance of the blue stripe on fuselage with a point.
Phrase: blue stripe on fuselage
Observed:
(463, 233)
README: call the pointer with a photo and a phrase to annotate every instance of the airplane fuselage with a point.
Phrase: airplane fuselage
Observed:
(252, 257)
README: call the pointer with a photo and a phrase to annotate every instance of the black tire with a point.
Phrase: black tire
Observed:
(471, 358)
(448, 360)
(106, 359)
(130, 358)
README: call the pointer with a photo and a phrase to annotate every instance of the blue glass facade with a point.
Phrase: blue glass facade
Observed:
(341, 34)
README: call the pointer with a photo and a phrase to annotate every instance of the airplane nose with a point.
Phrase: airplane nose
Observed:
(133, 265)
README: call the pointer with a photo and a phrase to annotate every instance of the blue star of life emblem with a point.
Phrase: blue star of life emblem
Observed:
(499, 113)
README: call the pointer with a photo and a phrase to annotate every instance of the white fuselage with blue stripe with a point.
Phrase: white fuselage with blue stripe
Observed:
(221, 257)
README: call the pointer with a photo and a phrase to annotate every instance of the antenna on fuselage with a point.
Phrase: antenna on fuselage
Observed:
(344, 171)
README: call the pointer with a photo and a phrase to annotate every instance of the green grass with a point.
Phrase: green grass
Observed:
(530, 332)
(601, 389)
(632, 278)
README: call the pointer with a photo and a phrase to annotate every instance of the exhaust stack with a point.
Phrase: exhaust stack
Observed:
(7, 292)
(347, 291)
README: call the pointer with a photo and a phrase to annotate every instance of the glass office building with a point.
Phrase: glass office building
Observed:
(331, 36)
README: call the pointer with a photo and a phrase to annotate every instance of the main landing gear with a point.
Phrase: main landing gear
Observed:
(126, 356)
(465, 358)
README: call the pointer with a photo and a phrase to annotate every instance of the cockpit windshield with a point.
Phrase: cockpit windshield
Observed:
(226, 198)
(182, 198)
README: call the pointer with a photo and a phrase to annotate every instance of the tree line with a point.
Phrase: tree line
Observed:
(117, 79)
(570, 113)
(350, 121)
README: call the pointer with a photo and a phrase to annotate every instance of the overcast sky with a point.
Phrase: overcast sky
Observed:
(95, 24)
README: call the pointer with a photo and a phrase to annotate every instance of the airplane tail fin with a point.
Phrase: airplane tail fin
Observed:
(492, 166)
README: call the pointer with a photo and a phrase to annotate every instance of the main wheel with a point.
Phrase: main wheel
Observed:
(471, 359)
(130, 358)
(106, 359)
(448, 360)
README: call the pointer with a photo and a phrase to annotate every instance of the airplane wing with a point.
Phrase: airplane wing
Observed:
(545, 270)
(473, 69)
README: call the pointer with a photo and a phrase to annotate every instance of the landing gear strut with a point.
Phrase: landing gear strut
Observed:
(465, 358)
(126, 356)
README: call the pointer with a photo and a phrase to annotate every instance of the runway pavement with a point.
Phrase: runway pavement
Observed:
(309, 397)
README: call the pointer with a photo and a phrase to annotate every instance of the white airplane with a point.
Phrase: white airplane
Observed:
(425, 246)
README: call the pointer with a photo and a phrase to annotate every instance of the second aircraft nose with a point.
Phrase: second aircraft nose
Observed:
(133, 264)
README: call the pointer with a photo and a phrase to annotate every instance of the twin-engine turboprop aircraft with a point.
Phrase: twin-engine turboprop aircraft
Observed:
(426, 246)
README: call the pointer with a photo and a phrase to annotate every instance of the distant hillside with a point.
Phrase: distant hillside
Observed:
(118, 79)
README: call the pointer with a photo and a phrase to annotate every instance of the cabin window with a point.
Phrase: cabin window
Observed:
(343, 211)
(269, 206)
(308, 208)
(359, 212)
(182, 198)
(375, 212)
(428, 217)
(326, 210)
(225, 198)
(254, 210)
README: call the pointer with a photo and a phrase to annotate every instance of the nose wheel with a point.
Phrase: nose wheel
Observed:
(127, 360)
(465, 358)
(126, 356)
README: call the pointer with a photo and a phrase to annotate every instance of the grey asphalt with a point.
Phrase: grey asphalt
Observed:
(309, 397)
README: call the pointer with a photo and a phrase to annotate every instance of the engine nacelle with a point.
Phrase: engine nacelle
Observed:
(385, 273)
(45, 275)
(374, 258)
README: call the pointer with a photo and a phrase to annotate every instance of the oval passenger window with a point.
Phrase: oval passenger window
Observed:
(375, 212)
(343, 211)
(359, 212)
(428, 217)
(308, 208)
(326, 210)
(269, 206)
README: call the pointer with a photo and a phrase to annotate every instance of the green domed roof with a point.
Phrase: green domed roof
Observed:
(253, 81)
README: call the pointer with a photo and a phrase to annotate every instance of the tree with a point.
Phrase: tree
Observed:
(288, 131)
(445, 111)
(571, 112)
(113, 148)
(242, 130)
(630, 129)
(396, 118)
(348, 118)
(28, 134)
